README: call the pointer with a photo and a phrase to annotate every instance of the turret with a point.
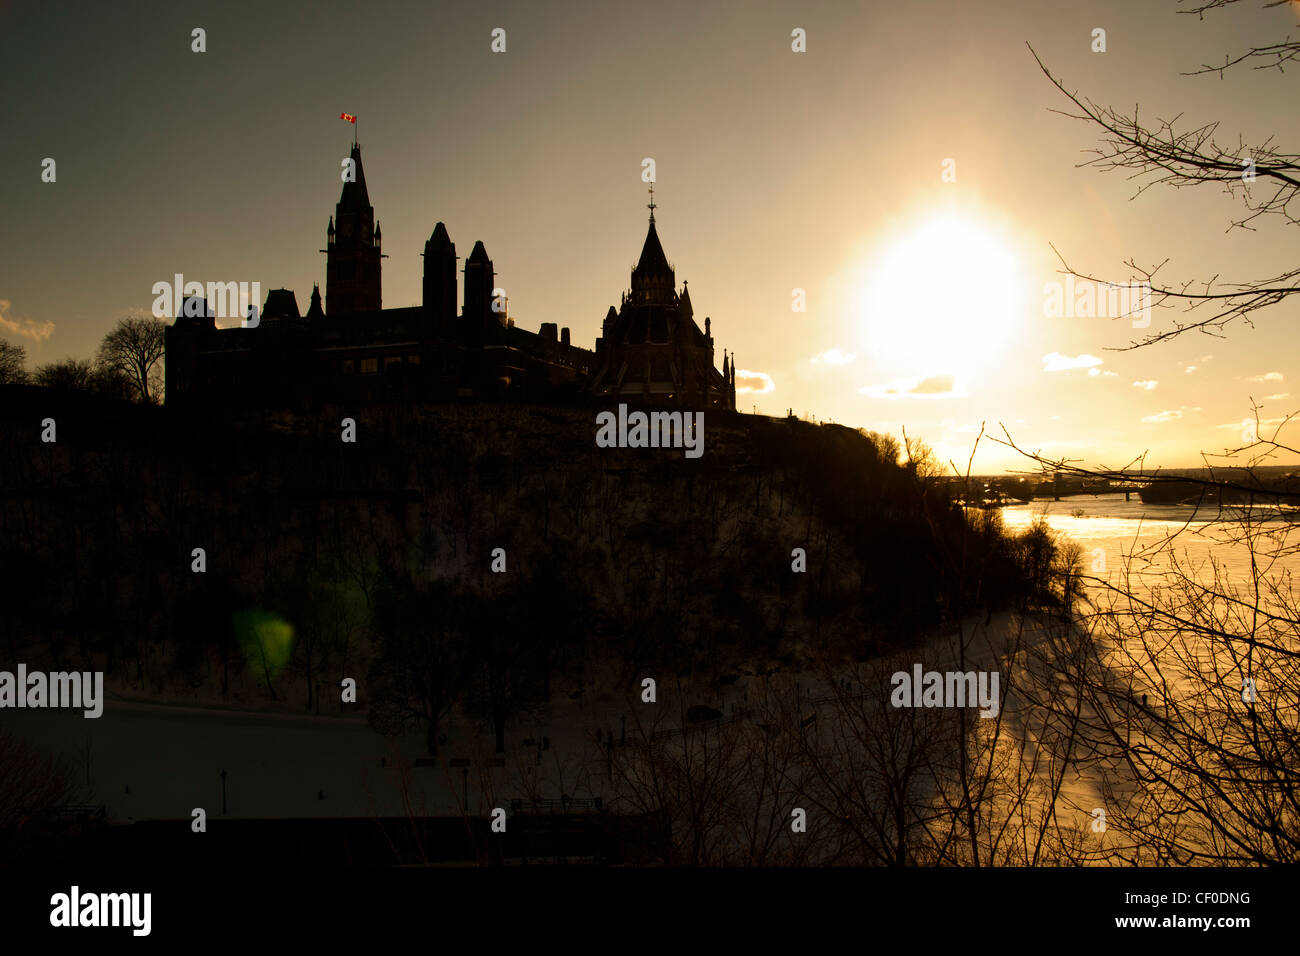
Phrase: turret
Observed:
(314, 310)
(610, 318)
(440, 281)
(195, 322)
(478, 287)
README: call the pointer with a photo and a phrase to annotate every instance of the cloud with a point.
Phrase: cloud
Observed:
(1056, 362)
(1190, 369)
(24, 328)
(834, 357)
(1094, 372)
(1064, 443)
(757, 382)
(1278, 397)
(935, 386)
(1171, 415)
(1250, 423)
(1149, 384)
(1266, 377)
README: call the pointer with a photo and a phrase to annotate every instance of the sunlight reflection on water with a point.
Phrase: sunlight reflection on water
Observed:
(1119, 528)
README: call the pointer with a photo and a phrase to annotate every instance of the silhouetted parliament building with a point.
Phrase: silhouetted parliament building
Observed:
(650, 350)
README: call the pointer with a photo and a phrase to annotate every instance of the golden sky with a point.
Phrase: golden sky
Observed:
(821, 171)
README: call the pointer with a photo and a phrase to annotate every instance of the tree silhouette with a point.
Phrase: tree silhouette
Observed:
(1167, 152)
(13, 364)
(135, 349)
(419, 668)
(1187, 699)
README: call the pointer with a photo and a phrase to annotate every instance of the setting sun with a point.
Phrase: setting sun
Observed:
(941, 298)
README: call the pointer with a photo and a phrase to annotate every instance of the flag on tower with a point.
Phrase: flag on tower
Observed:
(347, 116)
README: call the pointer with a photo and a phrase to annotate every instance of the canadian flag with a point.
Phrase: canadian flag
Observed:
(348, 116)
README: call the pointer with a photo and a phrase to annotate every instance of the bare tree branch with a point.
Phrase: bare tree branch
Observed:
(1274, 55)
(1158, 153)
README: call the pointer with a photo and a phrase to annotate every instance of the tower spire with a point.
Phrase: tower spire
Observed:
(651, 207)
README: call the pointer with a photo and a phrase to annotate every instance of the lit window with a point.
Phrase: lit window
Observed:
(413, 360)
(369, 366)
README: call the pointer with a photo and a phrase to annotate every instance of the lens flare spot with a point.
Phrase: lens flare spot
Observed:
(265, 640)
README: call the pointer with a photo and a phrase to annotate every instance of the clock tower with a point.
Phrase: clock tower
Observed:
(352, 250)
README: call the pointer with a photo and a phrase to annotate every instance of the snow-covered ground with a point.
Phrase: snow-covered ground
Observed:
(146, 760)
(151, 761)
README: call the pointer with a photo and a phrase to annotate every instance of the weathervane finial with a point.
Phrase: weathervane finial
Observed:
(652, 202)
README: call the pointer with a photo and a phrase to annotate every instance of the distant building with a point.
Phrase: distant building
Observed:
(349, 347)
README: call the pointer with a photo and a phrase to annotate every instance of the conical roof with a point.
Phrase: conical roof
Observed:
(652, 261)
(440, 237)
(315, 311)
(354, 194)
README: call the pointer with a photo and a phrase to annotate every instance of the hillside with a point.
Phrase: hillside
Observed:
(325, 559)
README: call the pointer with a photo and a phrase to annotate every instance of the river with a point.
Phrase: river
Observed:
(1112, 531)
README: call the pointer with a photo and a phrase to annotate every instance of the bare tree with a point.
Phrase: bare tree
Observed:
(420, 664)
(1192, 693)
(870, 766)
(135, 349)
(13, 364)
(68, 373)
(31, 782)
(83, 375)
(1170, 152)
(1272, 55)
(719, 792)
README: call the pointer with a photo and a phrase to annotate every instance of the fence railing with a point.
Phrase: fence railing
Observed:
(562, 805)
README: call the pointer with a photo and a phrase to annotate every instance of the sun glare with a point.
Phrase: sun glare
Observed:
(941, 298)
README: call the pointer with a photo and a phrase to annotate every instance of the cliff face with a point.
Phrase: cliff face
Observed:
(621, 556)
